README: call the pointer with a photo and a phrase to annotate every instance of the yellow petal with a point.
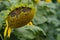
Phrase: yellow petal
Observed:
(30, 23)
(5, 31)
(9, 31)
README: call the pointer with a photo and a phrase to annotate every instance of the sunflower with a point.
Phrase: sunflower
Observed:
(48, 1)
(58, 1)
(18, 17)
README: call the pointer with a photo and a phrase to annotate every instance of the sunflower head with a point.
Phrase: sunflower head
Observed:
(21, 16)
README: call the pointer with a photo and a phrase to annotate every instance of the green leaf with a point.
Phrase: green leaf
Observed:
(53, 20)
(58, 37)
(44, 26)
(3, 16)
(1, 38)
(39, 20)
(58, 29)
(51, 5)
(29, 32)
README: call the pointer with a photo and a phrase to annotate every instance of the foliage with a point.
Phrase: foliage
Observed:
(46, 23)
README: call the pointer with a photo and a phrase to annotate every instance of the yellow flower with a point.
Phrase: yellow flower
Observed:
(58, 1)
(21, 14)
(47, 1)
(37, 1)
(17, 18)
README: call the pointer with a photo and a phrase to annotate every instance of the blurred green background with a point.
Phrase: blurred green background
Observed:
(46, 23)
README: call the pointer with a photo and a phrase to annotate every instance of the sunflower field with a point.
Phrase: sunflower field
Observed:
(29, 19)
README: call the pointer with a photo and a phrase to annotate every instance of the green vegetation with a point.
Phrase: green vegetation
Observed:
(46, 23)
